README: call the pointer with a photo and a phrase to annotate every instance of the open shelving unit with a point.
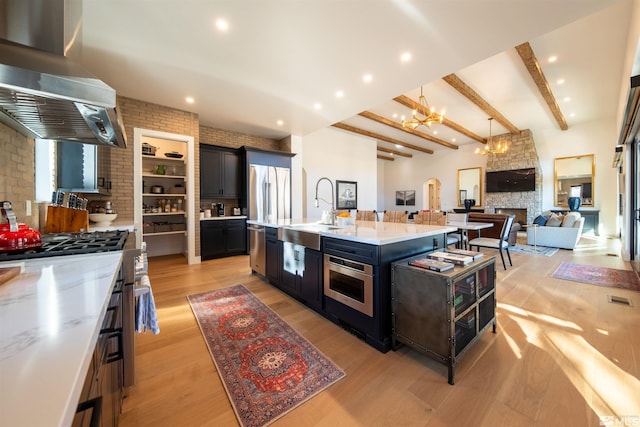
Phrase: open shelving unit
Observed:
(167, 231)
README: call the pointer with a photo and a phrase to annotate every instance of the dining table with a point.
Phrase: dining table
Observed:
(465, 226)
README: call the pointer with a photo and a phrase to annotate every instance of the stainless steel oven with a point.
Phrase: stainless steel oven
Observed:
(349, 282)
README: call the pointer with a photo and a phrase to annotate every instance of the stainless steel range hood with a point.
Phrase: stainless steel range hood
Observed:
(46, 95)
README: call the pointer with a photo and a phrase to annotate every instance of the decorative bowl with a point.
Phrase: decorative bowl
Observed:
(102, 219)
(343, 221)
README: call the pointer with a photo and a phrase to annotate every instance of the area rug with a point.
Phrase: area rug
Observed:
(267, 368)
(533, 250)
(600, 276)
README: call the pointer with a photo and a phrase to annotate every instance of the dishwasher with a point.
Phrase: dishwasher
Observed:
(257, 252)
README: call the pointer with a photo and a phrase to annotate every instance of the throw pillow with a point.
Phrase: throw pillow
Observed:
(570, 219)
(540, 220)
(554, 220)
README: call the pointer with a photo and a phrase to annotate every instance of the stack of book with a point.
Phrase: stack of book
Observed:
(466, 286)
(474, 255)
(451, 257)
(431, 264)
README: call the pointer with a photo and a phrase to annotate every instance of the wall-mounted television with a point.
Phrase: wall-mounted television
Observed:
(511, 180)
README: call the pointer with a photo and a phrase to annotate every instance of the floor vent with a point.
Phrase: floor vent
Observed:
(619, 300)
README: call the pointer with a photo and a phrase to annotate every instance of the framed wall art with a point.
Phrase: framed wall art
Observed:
(346, 195)
(406, 198)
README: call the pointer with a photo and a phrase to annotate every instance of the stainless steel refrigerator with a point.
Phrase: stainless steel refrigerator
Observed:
(269, 201)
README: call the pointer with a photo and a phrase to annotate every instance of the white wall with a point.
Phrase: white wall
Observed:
(337, 155)
(599, 138)
(411, 173)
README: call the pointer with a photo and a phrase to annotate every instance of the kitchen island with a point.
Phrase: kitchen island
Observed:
(344, 272)
(50, 320)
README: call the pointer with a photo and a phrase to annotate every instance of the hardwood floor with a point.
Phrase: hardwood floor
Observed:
(562, 356)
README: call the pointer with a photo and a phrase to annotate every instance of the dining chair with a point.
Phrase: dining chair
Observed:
(366, 216)
(395, 216)
(429, 217)
(501, 244)
(460, 235)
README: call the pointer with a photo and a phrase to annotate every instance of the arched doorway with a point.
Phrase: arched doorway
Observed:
(431, 194)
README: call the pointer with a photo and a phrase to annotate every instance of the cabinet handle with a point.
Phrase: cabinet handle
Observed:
(96, 405)
(114, 356)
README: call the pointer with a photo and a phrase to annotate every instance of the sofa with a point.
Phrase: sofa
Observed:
(556, 230)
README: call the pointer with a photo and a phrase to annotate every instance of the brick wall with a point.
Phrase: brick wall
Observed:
(225, 138)
(17, 180)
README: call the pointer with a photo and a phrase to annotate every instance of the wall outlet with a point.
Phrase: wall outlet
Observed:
(27, 207)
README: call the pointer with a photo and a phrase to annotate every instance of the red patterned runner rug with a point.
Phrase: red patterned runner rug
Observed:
(600, 276)
(267, 368)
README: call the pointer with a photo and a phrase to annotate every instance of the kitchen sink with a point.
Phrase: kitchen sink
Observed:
(307, 235)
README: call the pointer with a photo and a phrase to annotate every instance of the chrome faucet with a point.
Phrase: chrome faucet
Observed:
(333, 206)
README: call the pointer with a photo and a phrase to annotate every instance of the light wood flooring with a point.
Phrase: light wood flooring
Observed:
(562, 356)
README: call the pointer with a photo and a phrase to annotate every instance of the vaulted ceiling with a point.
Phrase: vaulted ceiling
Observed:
(285, 61)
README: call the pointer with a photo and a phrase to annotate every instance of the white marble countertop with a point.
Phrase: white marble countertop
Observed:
(50, 318)
(372, 232)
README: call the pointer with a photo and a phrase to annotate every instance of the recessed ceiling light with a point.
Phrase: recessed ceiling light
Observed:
(280, 122)
(398, 146)
(435, 132)
(453, 140)
(395, 115)
(391, 154)
(405, 57)
(339, 94)
(222, 24)
(560, 81)
(572, 115)
(317, 106)
(189, 99)
(566, 99)
(367, 78)
(553, 58)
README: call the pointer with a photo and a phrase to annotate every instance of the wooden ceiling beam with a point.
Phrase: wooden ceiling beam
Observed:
(381, 157)
(374, 135)
(410, 103)
(373, 116)
(474, 97)
(394, 152)
(535, 71)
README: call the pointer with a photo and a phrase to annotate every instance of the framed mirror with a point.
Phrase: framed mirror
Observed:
(574, 176)
(469, 185)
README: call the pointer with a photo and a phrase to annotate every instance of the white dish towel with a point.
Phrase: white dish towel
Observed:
(146, 316)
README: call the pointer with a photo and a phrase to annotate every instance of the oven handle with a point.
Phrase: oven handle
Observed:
(366, 269)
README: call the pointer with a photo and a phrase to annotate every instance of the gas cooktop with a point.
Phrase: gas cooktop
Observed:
(57, 244)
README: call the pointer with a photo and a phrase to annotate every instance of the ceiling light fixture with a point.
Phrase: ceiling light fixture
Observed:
(428, 114)
(493, 145)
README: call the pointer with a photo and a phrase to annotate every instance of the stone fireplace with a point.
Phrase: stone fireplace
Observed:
(520, 214)
(522, 154)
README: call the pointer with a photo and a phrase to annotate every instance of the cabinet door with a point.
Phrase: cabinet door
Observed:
(236, 236)
(230, 168)
(210, 175)
(212, 243)
(311, 279)
(273, 250)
